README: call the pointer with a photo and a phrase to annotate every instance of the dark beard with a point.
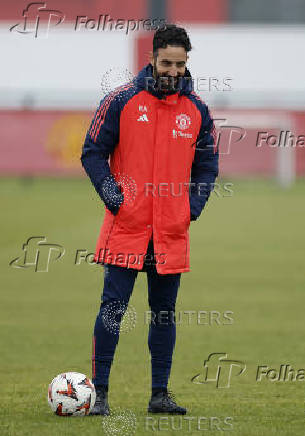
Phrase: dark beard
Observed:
(167, 84)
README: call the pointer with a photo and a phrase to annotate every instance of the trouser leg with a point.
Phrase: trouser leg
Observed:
(118, 287)
(162, 296)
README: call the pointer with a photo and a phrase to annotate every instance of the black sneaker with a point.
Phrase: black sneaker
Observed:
(101, 406)
(163, 402)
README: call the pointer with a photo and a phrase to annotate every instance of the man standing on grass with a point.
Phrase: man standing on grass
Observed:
(160, 139)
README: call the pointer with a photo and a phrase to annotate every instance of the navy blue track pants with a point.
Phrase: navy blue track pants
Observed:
(162, 294)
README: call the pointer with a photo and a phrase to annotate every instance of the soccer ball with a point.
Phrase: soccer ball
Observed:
(71, 394)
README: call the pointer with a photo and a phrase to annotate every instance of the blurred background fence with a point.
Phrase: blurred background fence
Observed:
(60, 57)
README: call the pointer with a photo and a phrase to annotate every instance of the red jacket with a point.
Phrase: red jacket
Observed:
(163, 156)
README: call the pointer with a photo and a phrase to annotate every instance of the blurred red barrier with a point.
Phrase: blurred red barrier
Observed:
(136, 9)
(49, 142)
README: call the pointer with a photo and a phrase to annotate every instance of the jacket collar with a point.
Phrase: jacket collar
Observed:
(145, 80)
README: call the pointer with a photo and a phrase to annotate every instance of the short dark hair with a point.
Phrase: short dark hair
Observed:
(171, 35)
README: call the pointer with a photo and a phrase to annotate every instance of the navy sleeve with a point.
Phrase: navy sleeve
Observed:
(205, 165)
(100, 141)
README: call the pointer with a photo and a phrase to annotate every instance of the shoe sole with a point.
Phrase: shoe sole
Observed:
(172, 412)
(100, 414)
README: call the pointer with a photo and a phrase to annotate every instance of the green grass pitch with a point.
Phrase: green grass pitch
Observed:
(247, 257)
